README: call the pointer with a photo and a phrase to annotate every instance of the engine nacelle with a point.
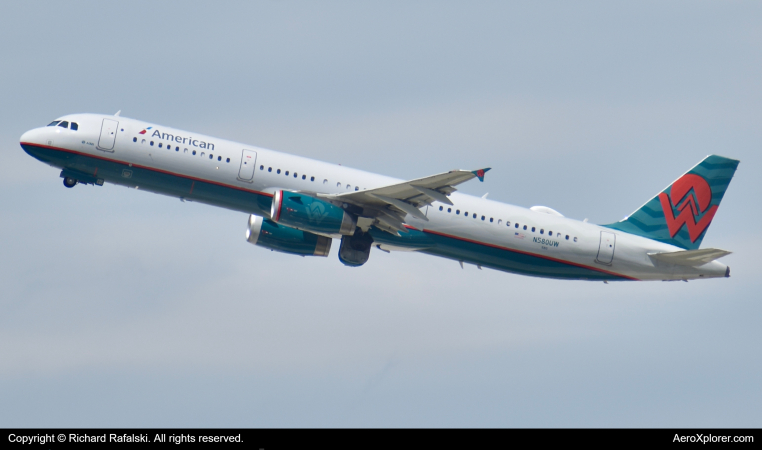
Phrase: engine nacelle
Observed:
(312, 214)
(281, 238)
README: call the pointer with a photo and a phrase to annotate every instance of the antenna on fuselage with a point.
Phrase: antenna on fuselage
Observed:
(117, 113)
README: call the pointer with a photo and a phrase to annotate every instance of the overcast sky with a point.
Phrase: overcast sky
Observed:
(123, 308)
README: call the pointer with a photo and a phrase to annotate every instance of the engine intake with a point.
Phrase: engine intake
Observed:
(312, 214)
(268, 234)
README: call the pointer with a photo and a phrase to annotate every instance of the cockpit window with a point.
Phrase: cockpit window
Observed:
(64, 124)
(74, 126)
(54, 123)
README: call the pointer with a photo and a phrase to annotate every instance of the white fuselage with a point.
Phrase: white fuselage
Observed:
(170, 152)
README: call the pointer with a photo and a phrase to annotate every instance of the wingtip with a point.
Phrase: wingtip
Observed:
(480, 173)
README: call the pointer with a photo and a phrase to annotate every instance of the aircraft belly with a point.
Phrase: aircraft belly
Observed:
(157, 181)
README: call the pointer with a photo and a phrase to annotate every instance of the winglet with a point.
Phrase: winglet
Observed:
(480, 173)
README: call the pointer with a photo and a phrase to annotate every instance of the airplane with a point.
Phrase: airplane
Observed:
(299, 205)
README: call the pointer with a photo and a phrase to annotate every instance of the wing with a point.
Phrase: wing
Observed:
(386, 206)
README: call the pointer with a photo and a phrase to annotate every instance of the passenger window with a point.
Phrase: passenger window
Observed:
(261, 167)
(194, 152)
(134, 139)
(525, 227)
(211, 156)
(575, 239)
(53, 123)
(357, 188)
(567, 237)
(325, 181)
(277, 171)
(550, 233)
(159, 144)
(75, 126)
(64, 124)
(152, 143)
(482, 217)
(507, 223)
(449, 210)
(338, 185)
(312, 178)
(269, 169)
(349, 186)
(219, 158)
(542, 231)
(499, 221)
(517, 225)
(143, 141)
(202, 154)
(457, 211)
(532, 229)
(287, 173)
(441, 208)
(295, 174)
(227, 160)
(465, 213)
(185, 150)
(177, 149)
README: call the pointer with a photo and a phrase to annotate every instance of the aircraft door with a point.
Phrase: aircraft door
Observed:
(248, 164)
(606, 248)
(108, 135)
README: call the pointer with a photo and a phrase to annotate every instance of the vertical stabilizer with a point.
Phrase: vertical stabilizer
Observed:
(681, 213)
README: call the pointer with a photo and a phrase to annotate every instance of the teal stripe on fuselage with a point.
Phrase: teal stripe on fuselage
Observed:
(156, 181)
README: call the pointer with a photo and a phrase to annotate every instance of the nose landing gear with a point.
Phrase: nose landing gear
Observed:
(69, 182)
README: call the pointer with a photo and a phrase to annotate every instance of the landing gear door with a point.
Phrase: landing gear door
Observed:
(248, 164)
(108, 135)
(606, 248)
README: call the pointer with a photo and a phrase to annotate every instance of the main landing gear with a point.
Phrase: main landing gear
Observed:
(69, 182)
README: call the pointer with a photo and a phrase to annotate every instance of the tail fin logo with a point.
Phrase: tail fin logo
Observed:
(694, 210)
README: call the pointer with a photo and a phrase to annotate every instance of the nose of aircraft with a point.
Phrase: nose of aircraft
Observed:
(29, 136)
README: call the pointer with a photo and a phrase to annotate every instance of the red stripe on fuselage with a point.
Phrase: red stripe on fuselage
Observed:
(147, 168)
(526, 253)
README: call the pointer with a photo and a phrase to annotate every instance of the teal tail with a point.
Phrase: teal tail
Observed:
(681, 213)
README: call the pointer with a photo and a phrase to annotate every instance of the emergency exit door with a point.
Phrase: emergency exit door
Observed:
(108, 135)
(248, 164)
(606, 248)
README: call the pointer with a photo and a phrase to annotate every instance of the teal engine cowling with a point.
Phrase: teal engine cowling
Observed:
(311, 214)
(278, 237)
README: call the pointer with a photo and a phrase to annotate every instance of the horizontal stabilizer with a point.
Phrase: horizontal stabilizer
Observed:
(692, 258)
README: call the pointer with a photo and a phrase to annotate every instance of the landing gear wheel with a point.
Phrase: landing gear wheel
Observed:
(69, 182)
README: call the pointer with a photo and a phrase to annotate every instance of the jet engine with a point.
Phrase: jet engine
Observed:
(278, 237)
(311, 214)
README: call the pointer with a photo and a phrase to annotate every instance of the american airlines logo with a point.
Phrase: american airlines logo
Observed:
(179, 139)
